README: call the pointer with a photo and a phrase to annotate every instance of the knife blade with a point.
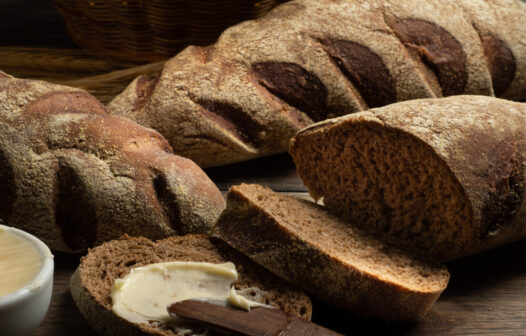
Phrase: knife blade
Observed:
(258, 321)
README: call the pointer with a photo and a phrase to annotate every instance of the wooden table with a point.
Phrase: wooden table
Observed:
(486, 295)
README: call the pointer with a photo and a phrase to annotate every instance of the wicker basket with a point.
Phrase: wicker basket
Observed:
(141, 31)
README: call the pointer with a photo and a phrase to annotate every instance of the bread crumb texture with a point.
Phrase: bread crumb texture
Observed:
(92, 282)
(443, 177)
(302, 242)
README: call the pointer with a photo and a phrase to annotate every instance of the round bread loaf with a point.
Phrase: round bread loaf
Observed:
(75, 177)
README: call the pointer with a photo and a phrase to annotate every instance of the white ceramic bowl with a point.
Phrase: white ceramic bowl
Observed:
(22, 311)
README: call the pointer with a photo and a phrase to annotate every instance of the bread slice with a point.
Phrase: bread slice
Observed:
(303, 243)
(446, 177)
(91, 283)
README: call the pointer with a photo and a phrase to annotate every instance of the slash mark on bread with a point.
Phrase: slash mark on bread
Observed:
(501, 62)
(74, 209)
(296, 117)
(295, 85)
(194, 139)
(364, 69)
(436, 48)
(232, 119)
(168, 201)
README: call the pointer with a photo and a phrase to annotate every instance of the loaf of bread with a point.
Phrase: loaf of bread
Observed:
(301, 242)
(91, 284)
(75, 176)
(309, 60)
(446, 177)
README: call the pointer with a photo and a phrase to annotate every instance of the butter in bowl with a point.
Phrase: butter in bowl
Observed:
(26, 281)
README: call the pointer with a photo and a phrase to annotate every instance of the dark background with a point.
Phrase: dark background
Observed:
(32, 23)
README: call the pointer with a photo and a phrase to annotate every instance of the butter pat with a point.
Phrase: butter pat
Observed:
(20, 261)
(145, 293)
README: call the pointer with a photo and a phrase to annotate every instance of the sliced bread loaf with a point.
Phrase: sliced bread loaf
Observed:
(444, 176)
(91, 283)
(301, 242)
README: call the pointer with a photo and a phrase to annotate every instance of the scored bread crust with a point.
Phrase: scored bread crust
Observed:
(91, 283)
(75, 176)
(478, 142)
(345, 267)
(501, 18)
(308, 60)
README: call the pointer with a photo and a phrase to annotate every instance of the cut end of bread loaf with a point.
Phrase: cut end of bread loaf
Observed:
(92, 282)
(388, 182)
(301, 242)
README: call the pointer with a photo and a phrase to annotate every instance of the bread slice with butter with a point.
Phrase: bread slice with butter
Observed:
(91, 284)
(303, 243)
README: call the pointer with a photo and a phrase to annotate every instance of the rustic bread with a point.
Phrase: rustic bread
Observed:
(301, 242)
(91, 283)
(445, 176)
(75, 176)
(309, 60)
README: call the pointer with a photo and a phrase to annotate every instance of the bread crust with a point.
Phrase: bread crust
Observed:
(481, 141)
(498, 23)
(91, 283)
(89, 177)
(256, 232)
(308, 60)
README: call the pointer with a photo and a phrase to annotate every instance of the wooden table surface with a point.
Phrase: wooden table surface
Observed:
(486, 295)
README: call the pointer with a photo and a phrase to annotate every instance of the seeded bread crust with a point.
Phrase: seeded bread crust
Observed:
(301, 242)
(447, 176)
(91, 283)
(75, 176)
(308, 60)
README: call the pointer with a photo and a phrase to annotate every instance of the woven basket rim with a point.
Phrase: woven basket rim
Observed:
(151, 30)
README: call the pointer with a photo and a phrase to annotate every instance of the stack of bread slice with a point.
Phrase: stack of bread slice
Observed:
(303, 243)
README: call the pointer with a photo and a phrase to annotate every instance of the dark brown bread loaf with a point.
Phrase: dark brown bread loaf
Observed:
(301, 242)
(445, 176)
(309, 60)
(91, 284)
(75, 176)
